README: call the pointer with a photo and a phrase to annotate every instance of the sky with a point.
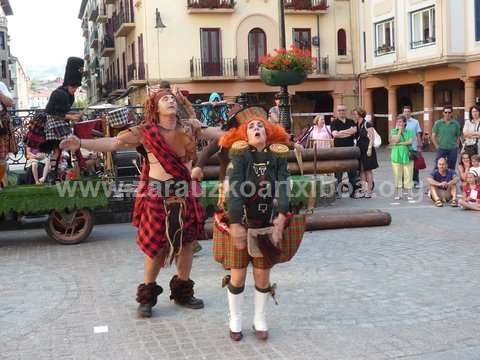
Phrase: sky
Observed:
(43, 34)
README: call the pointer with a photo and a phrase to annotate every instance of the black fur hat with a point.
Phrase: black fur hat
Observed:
(73, 72)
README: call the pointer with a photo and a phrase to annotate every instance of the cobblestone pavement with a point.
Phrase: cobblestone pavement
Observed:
(407, 291)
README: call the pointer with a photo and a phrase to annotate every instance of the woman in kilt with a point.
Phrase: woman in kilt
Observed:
(257, 229)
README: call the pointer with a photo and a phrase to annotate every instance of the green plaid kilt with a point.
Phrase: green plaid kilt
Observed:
(225, 252)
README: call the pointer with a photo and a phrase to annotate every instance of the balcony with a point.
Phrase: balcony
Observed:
(224, 69)
(300, 7)
(424, 42)
(94, 40)
(320, 67)
(85, 28)
(209, 6)
(136, 75)
(123, 23)
(251, 68)
(108, 46)
(3, 21)
(102, 15)
(117, 87)
(384, 50)
(93, 14)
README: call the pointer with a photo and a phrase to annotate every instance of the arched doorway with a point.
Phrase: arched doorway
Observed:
(257, 48)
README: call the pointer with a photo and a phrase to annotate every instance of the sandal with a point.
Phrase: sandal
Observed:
(438, 203)
(453, 203)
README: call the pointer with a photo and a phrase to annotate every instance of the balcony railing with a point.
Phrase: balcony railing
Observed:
(210, 4)
(94, 40)
(306, 5)
(384, 50)
(251, 67)
(108, 46)
(320, 66)
(200, 68)
(423, 42)
(123, 23)
(93, 14)
(136, 74)
(3, 21)
(102, 14)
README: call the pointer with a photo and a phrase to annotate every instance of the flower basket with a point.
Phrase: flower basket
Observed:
(281, 77)
(286, 67)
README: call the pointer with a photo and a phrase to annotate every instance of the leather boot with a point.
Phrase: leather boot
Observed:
(147, 298)
(260, 319)
(182, 293)
(235, 303)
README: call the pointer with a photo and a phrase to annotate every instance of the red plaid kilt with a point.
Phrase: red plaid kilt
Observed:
(149, 217)
(225, 252)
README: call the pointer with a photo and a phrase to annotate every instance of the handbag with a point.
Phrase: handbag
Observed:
(472, 149)
(419, 163)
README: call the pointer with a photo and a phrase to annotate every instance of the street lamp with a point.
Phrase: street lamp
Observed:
(284, 105)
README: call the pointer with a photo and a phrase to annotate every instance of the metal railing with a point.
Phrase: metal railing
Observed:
(223, 67)
(384, 50)
(135, 72)
(123, 17)
(210, 4)
(251, 67)
(108, 41)
(320, 66)
(306, 4)
(94, 14)
(3, 21)
(426, 41)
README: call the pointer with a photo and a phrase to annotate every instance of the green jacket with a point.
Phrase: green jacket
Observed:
(255, 180)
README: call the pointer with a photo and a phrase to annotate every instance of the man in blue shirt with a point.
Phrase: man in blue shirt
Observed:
(414, 125)
(443, 184)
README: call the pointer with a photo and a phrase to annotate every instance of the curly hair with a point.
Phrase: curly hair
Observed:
(151, 105)
(276, 134)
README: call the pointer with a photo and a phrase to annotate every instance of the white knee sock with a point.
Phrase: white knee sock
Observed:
(235, 303)
(260, 319)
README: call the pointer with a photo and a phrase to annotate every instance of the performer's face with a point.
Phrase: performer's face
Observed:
(167, 105)
(256, 134)
(72, 89)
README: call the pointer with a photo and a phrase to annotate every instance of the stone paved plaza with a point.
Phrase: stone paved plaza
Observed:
(407, 291)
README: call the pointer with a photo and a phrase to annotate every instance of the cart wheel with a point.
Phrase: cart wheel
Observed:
(69, 228)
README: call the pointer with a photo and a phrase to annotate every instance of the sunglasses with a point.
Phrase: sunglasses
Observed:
(447, 112)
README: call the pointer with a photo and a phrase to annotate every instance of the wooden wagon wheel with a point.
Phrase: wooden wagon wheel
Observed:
(69, 228)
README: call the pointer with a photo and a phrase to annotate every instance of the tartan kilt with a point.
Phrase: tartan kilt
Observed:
(57, 128)
(225, 252)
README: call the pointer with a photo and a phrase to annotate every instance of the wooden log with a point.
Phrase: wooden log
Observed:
(324, 220)
(342, 153)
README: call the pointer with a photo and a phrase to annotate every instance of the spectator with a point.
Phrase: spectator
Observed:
(475, 163)
(274, 112)
(471, 189)
(321, 133)
(368, 155)
(445, 137)
(34, 158)
(7, 137)
(401, 139)
(443, 184)
(471, 131)
(344, 131)
(463, 167)
(414, 125)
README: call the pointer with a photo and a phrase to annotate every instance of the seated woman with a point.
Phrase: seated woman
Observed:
(34, 158)
(471, 189)
(464, 167)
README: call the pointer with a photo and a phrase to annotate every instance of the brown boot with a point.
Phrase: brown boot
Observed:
(182, 293)
(147, 298)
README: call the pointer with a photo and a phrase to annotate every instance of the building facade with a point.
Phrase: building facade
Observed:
(215, 46)
(21, 84)
(5, 10)
(422, 53)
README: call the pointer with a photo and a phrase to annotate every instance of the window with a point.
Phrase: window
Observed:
(384, 37)
(257, 47)
(2, 40)
(423, 27)
(302, 39)
(342, 42)
(4, 69)
(477, 20)
(210, 47)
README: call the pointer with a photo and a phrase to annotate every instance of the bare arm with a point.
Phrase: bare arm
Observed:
(128, 139)
(453, 181)
(432, 182)
(211, 133)
(434, 140)
(8, 102)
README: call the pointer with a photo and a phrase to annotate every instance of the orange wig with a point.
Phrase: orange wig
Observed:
(276, 134)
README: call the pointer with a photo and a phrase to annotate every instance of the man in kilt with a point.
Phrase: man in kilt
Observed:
(167, 212)
(58, 109)
(253, 229)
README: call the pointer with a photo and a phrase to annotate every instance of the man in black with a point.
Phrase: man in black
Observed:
(344, 131)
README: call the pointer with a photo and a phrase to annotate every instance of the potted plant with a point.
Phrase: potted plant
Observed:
(286, 67)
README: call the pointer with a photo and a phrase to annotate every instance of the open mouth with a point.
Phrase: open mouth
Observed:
(257, 134)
